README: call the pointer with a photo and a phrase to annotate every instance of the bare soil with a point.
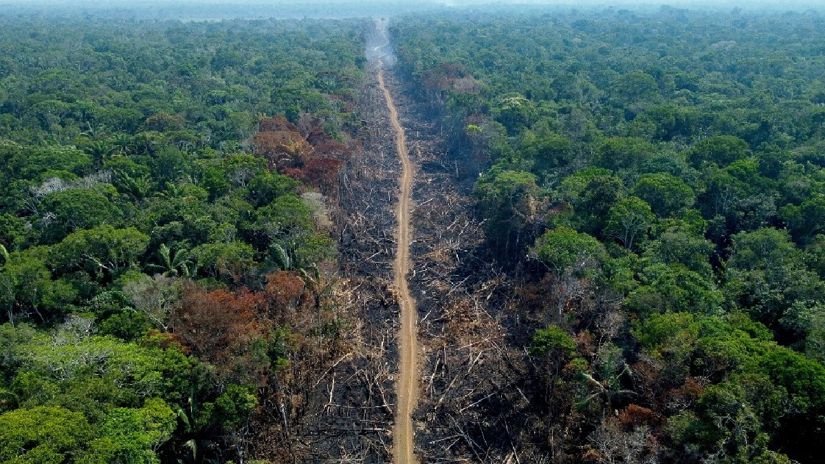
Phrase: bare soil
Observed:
(407, 384)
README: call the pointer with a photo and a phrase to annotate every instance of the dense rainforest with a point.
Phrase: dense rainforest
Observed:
(654, 182)
(162, 228)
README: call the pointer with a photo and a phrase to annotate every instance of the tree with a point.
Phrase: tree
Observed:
(15, 233)
(30, 162)
(241, 169)
(552, 341)
(600, 194)
(624, 153)
(132, 435)
(223, 329)
(100, 251)
(554, 350)
(680, 245)
(174, 263)
(721, 150)
(565, 250)
(764, 276)
(735, 138)
(737, 197)
(130, 177)
(728, 425)
(766, 393)
(666, 288)
(509, 199)
(155, 297)
(634, 88)
(629, 221)
(287, 226)
(114, 163)
(591, 192)
(234, 406)
(547, 151)
(65, 211)
(263, 189)
(807, 219)
(515, 112)
(281, 144)
(26, 287)
(667, 195)
(673, 121)
(43, 434)
(91, 373)
(99, 150)
(285, 290)
(610, 443)
(233, 259)
(169, 165)
(805, 323)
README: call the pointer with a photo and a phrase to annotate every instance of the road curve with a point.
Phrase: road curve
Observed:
(406, 384)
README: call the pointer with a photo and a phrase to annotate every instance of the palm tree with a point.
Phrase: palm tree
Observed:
(138, 187)
(174, 263)
(99, 150)
(122, 143)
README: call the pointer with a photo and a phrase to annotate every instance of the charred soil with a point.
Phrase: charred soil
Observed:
(335, 401)
(477, 398)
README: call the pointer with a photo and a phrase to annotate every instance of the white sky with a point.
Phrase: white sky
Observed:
(749, 4)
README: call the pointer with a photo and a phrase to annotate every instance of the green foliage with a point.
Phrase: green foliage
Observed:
(547, 151)
(286, 225)
(234, 405)
(672, 121)
(629, 221)
(807, 219)
(678, 244)
(618, 153)
(667, 195)
(233, 259)
(73, 209)
(89, 374)
(635, 87)
(14, 234)
(675, 178)
(27, 162)
(565, 250)
(508, 199)
(552, 340)
(769, 389)
(265, 188)
(26, 287)
(591, 193)
(721, 150)
(515, 112)
(57, 434)
(125, 178)
(765, 276)
(666, 288)
(132, 435)
(42, 435)
(99, 251)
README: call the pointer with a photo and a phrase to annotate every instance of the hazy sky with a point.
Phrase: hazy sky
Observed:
(773, 4)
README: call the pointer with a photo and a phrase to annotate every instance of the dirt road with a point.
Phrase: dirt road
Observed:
(406, 385)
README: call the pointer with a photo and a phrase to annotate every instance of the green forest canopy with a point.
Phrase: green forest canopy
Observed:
(147, 247)
(668, 166)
